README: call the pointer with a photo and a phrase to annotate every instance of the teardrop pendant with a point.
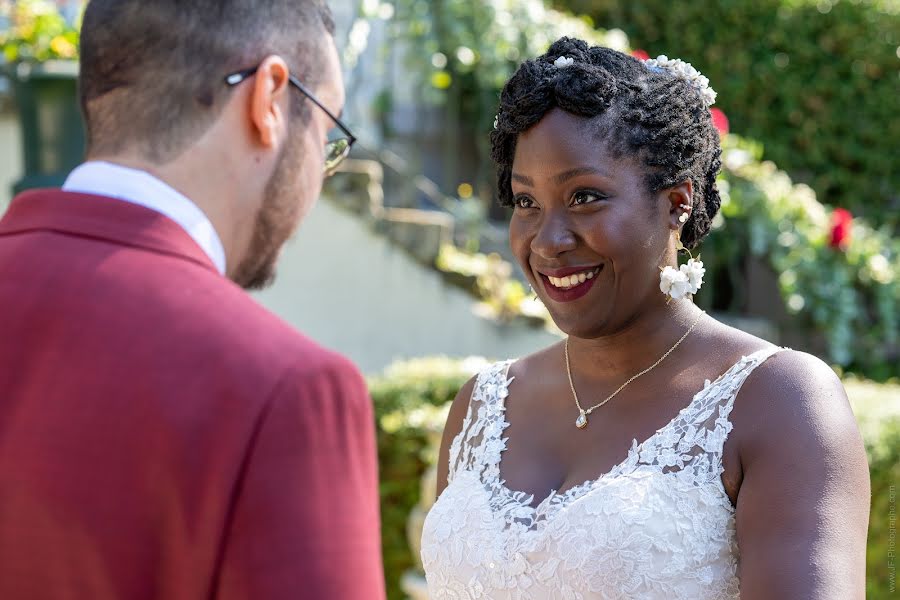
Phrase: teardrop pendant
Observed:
(581, 421)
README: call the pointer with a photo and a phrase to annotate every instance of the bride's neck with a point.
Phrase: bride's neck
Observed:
(635, 345)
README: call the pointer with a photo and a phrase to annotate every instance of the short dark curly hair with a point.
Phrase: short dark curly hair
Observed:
(649, 113)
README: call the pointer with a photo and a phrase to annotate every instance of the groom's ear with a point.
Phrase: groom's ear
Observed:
(269, 102)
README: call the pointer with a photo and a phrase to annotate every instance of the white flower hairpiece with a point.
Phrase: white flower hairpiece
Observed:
(563, 61)
(686, 71)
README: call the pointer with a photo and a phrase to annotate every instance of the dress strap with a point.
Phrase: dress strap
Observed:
(695, 440)
(731, 382)
(486, 406)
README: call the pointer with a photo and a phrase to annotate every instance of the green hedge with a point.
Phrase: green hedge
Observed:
(410, 404)
(815, 79)
(877, 410)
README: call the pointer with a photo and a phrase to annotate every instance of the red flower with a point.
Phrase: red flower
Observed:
(720, 121)
(841, 220)
(640, 54)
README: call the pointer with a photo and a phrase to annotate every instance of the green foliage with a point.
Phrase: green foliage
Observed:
(884, 466)
(489, 276)
(467, 50)
(460, 53)
(877, 410)
(410, 407)
(36, 32)
(816, 80)
(852, 295)
(411, 403)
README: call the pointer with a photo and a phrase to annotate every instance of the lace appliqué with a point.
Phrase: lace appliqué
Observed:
(657, 525)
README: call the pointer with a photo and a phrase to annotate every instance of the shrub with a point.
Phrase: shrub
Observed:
(877, 410)
(849, 293)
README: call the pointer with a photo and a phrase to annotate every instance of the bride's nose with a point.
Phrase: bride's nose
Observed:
(554, 235)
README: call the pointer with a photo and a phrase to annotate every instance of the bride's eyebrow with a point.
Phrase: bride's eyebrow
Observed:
(523, 179)
(563, 177)
(572, 173)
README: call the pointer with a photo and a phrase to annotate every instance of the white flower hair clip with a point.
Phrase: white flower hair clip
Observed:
(563, 62)
(686, 71)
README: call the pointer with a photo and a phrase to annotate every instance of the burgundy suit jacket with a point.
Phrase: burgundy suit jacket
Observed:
(162, 436)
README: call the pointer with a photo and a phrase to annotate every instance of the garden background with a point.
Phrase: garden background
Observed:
(804, 253)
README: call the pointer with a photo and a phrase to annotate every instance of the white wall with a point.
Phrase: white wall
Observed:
(11, 168)
(353, 291)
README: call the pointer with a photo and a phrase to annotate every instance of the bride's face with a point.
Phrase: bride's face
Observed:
(582, 213)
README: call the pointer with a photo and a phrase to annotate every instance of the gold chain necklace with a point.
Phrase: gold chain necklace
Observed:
(582, 420)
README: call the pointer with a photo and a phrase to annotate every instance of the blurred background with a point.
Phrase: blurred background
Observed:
(805, 251)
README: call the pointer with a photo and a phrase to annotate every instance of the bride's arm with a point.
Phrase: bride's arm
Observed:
(803, 506)
(451, 429)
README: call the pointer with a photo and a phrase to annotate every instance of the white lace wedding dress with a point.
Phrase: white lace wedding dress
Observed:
(658, 525)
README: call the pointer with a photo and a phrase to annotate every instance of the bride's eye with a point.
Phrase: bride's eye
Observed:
(586, 197)
(523, 201)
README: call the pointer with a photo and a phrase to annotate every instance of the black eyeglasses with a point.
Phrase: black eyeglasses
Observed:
(335, 150)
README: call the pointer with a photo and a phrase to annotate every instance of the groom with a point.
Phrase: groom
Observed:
(161, 435)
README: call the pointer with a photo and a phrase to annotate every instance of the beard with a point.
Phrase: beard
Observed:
(274, 224)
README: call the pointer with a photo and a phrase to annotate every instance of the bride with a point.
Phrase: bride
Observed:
(655, 453)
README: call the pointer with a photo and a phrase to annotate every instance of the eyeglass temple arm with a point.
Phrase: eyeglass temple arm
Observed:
(314, 100)
(236, 78)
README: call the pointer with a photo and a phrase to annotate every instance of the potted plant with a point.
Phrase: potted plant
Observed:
(40, 57)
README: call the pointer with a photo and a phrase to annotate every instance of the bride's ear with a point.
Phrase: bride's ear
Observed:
(680, 203)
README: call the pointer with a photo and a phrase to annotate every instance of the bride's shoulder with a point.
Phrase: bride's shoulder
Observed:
(491, 377)
(487, 374)
(785, 396)
(536, 365)
(791, 380)
(790, 371)
(735, 339)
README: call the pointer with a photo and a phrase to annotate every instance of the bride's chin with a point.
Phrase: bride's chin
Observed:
(585, 326)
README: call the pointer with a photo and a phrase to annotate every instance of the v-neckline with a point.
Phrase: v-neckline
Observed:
(556, 497)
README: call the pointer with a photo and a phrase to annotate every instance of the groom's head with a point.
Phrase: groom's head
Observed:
(155, 92)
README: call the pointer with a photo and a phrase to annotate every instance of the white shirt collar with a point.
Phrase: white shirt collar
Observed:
(142, 188)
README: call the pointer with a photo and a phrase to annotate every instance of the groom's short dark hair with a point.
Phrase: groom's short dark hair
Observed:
(153, 71)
